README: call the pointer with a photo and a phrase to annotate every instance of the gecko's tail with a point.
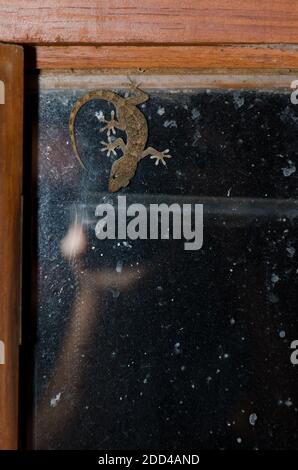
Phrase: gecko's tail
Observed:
(106, 95)
(99, 94)
(71, 125)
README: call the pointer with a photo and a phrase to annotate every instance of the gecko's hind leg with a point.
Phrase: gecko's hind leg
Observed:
(160, 156)
(110, 147)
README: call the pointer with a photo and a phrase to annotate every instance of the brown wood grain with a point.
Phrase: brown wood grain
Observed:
(149, 21)
(155, 57)
(11, 123)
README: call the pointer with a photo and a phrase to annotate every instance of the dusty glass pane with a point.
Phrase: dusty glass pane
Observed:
(141, 343)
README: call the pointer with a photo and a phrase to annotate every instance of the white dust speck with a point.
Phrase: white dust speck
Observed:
(195, 114)
(239, 440)
(177, 348)
(54, 401)
(238, 100)
(282, 334)
(287, 402)
(232, 321)
(291, 251)
(119, 266)
(253, 419)
(289, 170)
(170, 124)
(145, 381)
(229, 191)
(161, 111)
(274, 278)
(126, 244)
(100, 116)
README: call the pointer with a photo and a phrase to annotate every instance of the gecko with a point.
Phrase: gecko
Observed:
(128, 119)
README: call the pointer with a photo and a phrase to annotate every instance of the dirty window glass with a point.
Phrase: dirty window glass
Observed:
(140, 342)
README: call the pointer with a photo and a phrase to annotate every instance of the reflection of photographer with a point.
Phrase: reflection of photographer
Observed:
(67, 382)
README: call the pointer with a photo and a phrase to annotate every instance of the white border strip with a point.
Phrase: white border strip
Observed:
(75, 80)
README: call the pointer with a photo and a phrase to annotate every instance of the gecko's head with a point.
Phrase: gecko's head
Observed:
(121, 174)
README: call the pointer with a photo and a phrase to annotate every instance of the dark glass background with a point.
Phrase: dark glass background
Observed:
(141, 344)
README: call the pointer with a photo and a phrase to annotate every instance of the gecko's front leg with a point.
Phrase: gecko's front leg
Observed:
(113, 124)
(160, 156)
(110, 146)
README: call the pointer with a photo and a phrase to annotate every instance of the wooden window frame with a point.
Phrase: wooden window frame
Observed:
(225, 39)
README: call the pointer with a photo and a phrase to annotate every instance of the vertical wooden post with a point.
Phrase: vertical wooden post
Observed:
(11, 145)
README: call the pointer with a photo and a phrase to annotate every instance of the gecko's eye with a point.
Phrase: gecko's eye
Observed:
(114, 176)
